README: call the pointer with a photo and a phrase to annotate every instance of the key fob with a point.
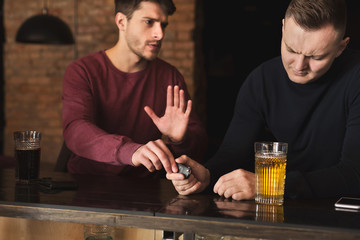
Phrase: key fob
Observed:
(183, 169)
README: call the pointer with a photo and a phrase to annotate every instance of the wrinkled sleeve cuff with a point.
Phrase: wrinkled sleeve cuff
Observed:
(125, 154)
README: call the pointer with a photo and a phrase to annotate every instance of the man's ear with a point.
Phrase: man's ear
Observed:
(343, 46)
(121, 21)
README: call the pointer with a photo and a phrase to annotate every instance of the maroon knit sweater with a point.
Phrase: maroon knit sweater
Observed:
(104, 121)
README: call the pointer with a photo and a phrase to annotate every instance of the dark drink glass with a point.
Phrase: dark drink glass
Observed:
(27, 155)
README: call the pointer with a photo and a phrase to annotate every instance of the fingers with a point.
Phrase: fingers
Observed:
(176, 96)
(151, 114)
(184, 159)
(198, 180)
(188, 109)
(184, 186)
(143, 156)
(173, 97)
(238, 185)
(154, 156)
(151, 161)
(176, 99)
(175, 176)
(165, 156)
(192, 186)
(169, 97)
(181, 104)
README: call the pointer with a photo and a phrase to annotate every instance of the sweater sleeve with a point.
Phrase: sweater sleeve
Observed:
(237, 148)
(81, 134)
(195, 142)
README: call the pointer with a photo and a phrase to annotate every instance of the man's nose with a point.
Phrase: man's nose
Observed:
(301, 62)
(158, 32)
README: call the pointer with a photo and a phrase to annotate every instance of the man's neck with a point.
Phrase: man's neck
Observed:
(125, 62)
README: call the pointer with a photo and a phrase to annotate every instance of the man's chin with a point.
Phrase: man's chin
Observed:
(151, 57)
(300, 79)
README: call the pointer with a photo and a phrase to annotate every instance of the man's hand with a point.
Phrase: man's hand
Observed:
(175, 120)
(154, 155)
(238, 184)
(198, 180)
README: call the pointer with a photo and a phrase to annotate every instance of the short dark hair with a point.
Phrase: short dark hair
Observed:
(127, 7)
(314, 14)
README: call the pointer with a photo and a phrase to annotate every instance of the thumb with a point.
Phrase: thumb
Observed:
(151, 114)
(186, 161)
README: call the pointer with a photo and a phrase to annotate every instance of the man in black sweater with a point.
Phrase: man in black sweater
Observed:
(309, 98)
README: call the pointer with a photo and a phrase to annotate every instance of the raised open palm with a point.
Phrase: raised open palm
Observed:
(175, 120)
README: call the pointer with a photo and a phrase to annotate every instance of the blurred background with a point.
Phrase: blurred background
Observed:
(214, 44)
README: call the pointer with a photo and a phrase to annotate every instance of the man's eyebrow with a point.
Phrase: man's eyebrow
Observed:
(164, 24)
(289, 48)
(154, 19)
(314, 56)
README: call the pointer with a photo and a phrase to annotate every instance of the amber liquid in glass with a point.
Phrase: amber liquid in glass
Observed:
(270, 173)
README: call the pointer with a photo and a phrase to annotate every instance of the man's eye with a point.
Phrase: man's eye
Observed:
(291, 51)
(317, 58)
(149, 22)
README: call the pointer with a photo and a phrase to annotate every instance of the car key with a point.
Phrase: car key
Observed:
(183, 169)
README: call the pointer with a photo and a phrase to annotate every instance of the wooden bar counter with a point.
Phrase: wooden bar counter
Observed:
(154, 204)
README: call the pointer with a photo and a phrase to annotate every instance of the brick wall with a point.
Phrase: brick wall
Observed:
(34, 73)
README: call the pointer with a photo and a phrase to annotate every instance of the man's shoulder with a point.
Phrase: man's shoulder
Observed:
(352, 52)
(274, 62)
(347, 64)
(351, 55)
(269, 68)
(93, 63)
(92, 58)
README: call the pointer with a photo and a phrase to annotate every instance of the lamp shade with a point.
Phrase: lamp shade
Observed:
(44, 29)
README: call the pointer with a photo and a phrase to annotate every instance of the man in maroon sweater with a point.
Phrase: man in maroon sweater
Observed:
(112, 100)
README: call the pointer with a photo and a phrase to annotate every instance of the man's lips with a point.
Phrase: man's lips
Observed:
(299, 73)
(154, 45)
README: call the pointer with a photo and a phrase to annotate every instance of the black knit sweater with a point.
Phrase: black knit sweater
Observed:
(319, 120)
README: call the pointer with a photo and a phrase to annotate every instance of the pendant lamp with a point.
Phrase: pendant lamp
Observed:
(44, 29)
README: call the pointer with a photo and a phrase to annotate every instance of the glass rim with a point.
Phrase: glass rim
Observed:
(270, 142)
(28, 134)
(268, 146)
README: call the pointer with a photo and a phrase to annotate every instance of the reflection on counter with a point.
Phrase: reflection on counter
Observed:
(27, 193)
(269, 213)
